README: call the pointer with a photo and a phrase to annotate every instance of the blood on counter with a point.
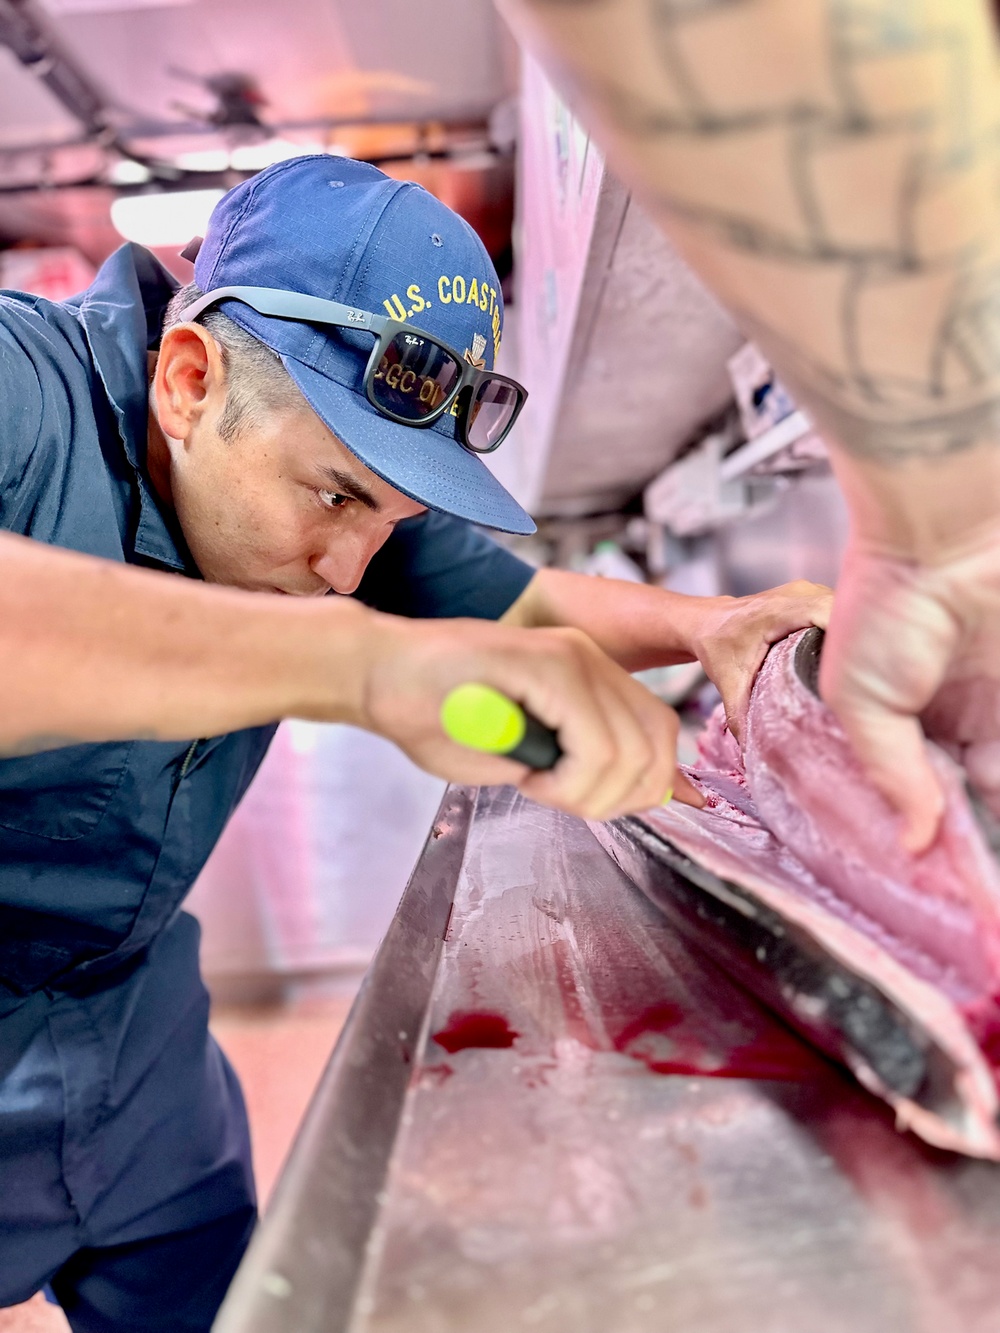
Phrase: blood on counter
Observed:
(466, 1030)
(661, 1038)
(658, 1040)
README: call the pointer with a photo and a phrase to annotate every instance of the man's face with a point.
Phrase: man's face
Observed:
(284, 507)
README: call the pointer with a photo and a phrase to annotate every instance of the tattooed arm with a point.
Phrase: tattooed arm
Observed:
(832, 169)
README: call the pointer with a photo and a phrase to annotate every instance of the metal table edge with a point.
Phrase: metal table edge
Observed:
(307, 1257)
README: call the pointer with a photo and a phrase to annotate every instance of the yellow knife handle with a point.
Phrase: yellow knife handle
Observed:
(482, 718)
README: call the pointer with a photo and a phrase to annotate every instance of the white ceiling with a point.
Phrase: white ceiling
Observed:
(28, 112)
(311, 59)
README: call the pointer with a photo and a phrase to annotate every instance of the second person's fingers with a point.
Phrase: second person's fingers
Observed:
(893, 752)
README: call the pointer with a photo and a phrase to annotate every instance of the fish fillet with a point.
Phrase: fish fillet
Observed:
(793, 822)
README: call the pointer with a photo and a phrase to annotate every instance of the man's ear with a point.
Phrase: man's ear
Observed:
(190, 379)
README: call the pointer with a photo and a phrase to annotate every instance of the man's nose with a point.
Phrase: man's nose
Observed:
(343, 563)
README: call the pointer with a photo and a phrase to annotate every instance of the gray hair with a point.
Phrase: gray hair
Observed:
(256, 381)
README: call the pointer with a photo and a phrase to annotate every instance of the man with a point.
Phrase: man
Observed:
(830, 169)
(274, 440)
(874, 153)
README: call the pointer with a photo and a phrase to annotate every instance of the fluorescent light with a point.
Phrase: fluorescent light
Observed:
(127, 172)
(205, 159)
(257, 156)
(170, 217)
(247, 157)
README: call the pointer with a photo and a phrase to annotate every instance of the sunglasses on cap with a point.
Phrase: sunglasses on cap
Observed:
(412, 376)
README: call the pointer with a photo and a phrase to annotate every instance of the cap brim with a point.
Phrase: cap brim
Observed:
(424, 464)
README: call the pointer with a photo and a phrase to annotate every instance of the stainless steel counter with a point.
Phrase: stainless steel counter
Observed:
(548, 1112)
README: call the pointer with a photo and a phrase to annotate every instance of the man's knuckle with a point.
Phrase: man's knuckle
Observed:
(605, 759)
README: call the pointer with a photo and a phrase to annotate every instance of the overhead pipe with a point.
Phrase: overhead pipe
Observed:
(34, 44)
(27, 34)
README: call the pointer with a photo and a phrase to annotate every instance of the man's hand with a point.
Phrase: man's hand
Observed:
(733, 634)
(911, 640)
(640, 626)
(619, 741)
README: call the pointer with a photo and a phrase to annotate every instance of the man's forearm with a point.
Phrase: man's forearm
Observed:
(93, 651)
(638, 626)
(830, 170)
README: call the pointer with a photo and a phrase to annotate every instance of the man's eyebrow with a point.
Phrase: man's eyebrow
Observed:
(349, 485)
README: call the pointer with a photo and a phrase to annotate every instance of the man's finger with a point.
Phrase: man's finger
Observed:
(646, 733)
(734, 681)
(686, 792)
(662, 781)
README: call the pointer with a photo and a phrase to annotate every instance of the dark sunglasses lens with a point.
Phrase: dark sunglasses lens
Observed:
(414, 376)
(490, 414)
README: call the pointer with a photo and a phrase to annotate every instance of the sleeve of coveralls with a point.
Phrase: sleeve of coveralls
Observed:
(437, 566)
(20, 407)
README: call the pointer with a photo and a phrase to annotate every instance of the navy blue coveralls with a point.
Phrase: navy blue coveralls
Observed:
(125, 1179)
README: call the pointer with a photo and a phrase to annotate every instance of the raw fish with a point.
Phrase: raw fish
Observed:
(794, 823)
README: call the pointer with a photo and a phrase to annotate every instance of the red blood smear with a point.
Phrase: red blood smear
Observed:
(466, 1030)
(662, 1018)
(436, 1074)
(658, 1041)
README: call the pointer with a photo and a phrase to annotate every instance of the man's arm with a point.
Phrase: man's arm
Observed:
(641, 626)
(96, 651)
(830, 169)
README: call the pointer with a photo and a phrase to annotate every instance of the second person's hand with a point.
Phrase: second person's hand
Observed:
(912, 645)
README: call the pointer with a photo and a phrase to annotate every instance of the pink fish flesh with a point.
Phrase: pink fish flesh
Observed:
(794, 825)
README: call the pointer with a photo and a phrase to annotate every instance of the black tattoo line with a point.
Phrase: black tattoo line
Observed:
(678, 69)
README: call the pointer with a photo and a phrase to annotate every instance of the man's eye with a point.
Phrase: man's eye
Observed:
(333, 499)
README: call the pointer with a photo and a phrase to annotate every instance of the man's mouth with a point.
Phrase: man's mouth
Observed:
(312, 592)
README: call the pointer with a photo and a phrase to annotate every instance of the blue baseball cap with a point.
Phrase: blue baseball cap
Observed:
(343, 230)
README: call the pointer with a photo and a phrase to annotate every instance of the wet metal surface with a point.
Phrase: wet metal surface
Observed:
(602, 1134)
